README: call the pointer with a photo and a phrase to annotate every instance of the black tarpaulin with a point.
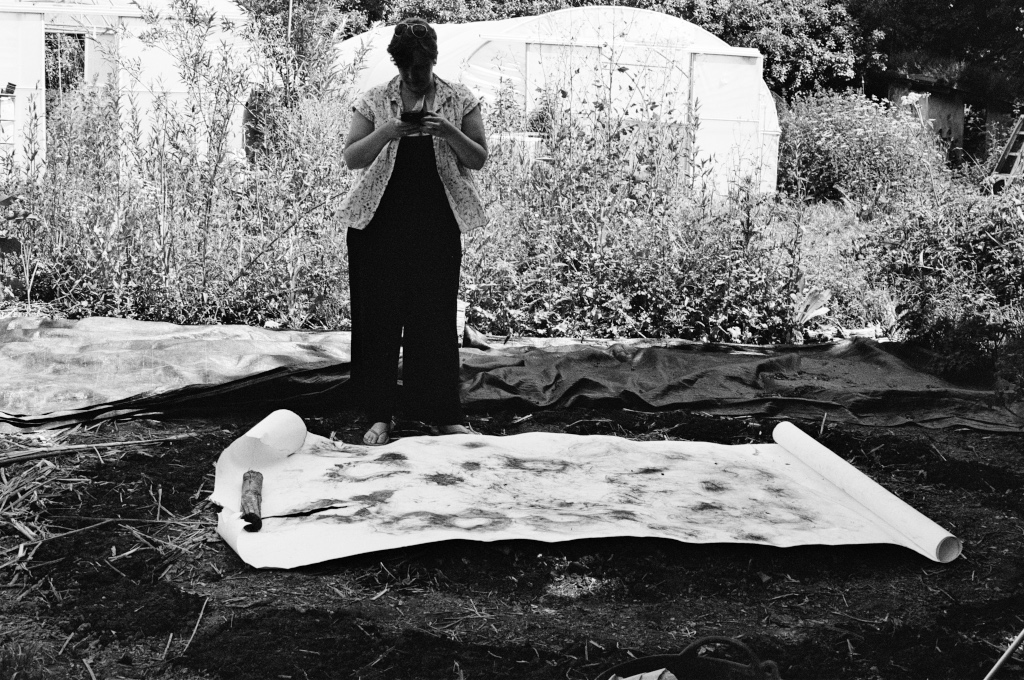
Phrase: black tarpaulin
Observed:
(56, 373)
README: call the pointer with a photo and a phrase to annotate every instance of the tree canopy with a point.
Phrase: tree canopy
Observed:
(965, 42)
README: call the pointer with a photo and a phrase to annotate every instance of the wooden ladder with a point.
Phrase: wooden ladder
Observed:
(1010, 165)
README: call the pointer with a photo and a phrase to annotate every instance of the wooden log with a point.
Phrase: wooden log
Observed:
(252, 497)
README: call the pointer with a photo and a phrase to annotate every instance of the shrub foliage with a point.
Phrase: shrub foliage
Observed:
(839, 145)
(957, 260)
(609, 235)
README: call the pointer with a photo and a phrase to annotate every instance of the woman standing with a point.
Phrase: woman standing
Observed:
(414, 140)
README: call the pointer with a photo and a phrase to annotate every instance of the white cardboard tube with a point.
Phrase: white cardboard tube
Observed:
(921, 533)
(283, 432)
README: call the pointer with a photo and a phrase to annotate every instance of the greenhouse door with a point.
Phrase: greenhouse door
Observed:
(726, 102)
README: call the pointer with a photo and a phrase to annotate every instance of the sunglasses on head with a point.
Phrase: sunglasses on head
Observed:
(418, 30)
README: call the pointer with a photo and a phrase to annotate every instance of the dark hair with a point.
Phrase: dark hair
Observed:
(404, 48)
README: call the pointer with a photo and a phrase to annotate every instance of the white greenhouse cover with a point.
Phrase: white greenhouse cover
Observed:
(640, 58)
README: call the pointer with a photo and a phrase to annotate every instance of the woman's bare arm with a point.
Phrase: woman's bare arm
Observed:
(364, 143)
(469, 143)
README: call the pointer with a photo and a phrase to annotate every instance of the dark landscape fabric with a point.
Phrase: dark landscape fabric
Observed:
(54, 373)
(858, 381)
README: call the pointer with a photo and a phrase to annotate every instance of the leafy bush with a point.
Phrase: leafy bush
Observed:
(603, 232)
(682, 282)
(834, 252)
(843, 145)
(956, 266)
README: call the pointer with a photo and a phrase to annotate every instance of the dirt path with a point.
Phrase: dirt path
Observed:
(145, 589)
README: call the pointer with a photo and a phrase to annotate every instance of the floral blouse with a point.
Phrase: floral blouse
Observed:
(380, 104)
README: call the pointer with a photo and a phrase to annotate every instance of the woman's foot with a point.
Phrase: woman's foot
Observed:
(379, 434)
(450, 429)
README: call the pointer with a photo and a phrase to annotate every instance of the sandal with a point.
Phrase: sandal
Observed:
(377, 436)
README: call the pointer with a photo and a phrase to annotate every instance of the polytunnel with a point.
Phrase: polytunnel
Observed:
(640, 58)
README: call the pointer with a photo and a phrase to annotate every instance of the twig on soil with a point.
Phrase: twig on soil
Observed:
(50, 538)
(123, 575)
(88, 668)
(381, 657)
(29, 590)
(21, 555)
(46, 452)
(201, 611)
(871, 623)
(590, 420)
(22, 529)
(937, 589)
(167, 646)
(56, 593)
(66, 641)
(134, 519)
(173, 546)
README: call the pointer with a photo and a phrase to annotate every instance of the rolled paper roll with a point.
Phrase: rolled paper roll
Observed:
(252, 496)
(903, 521)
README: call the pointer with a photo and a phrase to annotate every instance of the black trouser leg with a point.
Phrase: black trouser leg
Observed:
(430, 365)
(376, 292)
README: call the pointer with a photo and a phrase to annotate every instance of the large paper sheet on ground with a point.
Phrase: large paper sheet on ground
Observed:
(324, 500)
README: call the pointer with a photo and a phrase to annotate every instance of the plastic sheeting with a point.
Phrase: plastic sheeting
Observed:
(56, 373)
(324, 500)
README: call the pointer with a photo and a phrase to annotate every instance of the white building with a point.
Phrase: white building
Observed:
(110, 27)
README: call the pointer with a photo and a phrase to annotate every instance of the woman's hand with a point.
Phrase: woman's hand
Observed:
(469, 142)
(396, 128)
(436, 125)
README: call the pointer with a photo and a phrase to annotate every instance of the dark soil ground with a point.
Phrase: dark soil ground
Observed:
(133, 582)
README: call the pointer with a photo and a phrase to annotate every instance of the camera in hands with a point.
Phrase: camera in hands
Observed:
(413, 116)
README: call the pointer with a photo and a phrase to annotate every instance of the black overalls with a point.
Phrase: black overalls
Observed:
(404, 282)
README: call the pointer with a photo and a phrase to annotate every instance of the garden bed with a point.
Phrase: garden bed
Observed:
(144, 588)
